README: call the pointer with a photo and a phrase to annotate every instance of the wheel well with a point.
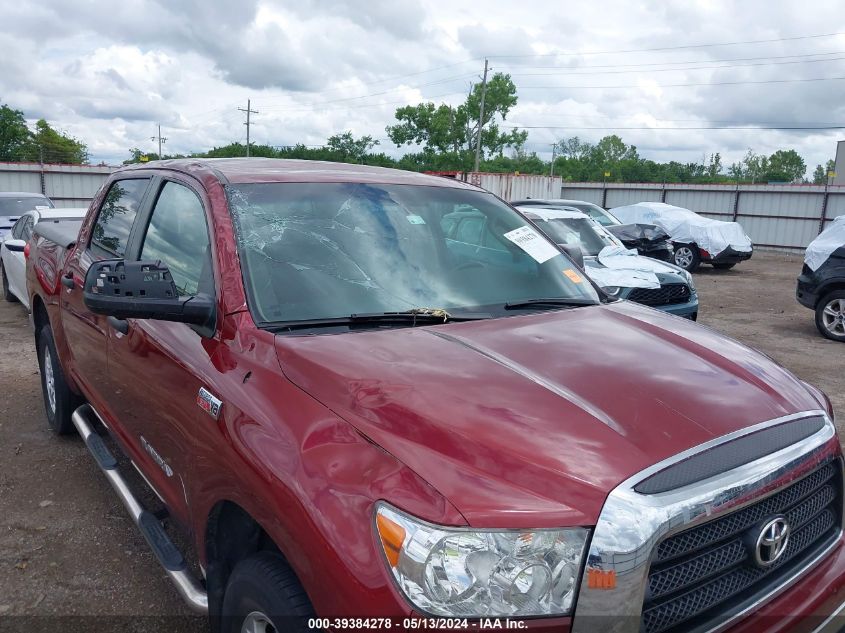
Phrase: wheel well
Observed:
(40, 318)
(231, 535)
(824, 290)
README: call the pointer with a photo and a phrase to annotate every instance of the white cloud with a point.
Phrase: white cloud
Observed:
(110, 72)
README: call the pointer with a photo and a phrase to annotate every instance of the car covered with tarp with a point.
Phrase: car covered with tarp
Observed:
(619, 271)
(821, 285)
(697, 239)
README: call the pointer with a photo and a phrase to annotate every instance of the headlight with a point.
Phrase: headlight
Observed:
(689, 280)
(612, 290)
(463, 572)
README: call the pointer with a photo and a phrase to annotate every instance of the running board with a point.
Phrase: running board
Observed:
(167, 553)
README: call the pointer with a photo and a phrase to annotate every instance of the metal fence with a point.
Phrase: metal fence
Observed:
(785, 217)
(65, 185)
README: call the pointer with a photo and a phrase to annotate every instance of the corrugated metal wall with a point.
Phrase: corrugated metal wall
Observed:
(513, 187)
(778, 216)
(66, 185)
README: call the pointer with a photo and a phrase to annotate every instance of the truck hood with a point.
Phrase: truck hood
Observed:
(531, 420)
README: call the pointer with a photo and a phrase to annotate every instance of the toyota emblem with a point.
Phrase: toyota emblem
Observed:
(772, 541)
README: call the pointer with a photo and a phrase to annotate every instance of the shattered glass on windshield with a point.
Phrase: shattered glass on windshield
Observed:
(326, 250)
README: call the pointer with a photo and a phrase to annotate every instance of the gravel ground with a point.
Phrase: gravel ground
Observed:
(70, 558)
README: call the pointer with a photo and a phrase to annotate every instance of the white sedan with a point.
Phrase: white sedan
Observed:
(12, 259)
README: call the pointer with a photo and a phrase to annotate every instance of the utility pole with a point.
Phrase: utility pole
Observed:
(248, 112)
(160, 140)
(552, 170)
(481, 117)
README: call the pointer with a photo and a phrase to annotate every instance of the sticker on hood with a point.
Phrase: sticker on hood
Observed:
(532, 243)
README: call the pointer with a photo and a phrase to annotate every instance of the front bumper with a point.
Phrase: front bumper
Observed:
(687, 310)
(727, 256)
(806, 291)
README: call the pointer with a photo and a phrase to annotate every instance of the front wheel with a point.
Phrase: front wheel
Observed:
(687, 257)
(263, 595)
(724, 266)
(59, 401)
(830, 315)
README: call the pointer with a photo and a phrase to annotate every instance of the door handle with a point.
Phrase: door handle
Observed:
(119, 324)
(67, 281)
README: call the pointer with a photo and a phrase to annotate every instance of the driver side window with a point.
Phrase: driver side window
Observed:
(177, 235)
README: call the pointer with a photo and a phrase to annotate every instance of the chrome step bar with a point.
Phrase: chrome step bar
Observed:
(174, 564)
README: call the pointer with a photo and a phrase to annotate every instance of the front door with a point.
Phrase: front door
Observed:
(156, 367)
(87, 332)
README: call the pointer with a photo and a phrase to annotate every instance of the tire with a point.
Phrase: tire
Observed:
(61, 404)
(687, 257)
(830, 316)
(7, 294)
(264, 589)
(724, 266)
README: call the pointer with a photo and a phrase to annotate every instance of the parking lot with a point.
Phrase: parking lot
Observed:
(67, 547)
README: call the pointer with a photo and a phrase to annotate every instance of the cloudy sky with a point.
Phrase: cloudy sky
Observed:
(109, 72)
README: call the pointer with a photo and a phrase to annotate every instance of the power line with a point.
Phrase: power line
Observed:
(670, 48)
(706, 83)
(663, 70)
(689, 61)
(709, 127)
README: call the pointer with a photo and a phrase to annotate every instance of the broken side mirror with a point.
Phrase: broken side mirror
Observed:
(143, 290)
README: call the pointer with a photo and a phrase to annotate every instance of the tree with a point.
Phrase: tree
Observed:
(785, 166)
(349, 148)
(53, 146)
(820, 172)
(454, 131)
(14, 135)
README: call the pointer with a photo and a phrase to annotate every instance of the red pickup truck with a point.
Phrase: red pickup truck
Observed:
(361, 423)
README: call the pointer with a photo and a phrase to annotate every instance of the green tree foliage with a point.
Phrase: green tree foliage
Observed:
(820, 172)
(787, 166)
(14, 135)
(350, 148)
(57, 147)
(454, 131)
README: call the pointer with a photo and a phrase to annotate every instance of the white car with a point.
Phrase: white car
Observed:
(696, 239)
(619, 271)
(12, 259)
(13, 204)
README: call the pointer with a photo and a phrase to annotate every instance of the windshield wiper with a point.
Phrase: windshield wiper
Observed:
(550, 302)
(417, 316)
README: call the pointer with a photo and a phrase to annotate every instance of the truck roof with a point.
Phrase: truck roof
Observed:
(263, 170)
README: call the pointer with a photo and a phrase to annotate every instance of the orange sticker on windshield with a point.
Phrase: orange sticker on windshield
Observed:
(573, 276)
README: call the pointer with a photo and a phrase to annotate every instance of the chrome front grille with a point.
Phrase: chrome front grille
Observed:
(673, 543)
(696, 572)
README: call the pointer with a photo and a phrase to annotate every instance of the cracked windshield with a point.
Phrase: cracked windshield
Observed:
(330, 250)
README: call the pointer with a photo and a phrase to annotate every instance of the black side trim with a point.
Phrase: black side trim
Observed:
(101, 453)
(164, 549)
(730, 455)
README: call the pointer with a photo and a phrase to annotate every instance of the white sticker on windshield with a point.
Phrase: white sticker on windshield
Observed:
(415, 219)
(532, 243)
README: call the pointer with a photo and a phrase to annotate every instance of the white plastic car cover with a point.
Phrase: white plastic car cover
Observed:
(828, 241)
(618, 266)
(685, 226)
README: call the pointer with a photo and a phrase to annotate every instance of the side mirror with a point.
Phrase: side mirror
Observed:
(15, 246)
(142, 290)
(575, 253)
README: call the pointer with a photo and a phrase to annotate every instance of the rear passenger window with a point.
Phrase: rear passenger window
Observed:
(177, 235)
(114, 222)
